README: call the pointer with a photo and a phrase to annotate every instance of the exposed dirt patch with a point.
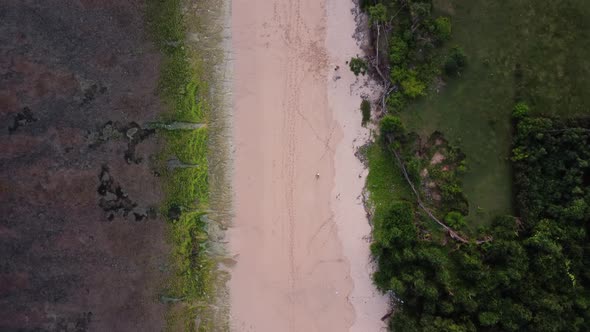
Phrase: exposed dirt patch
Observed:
(77, 83)
(437, 158)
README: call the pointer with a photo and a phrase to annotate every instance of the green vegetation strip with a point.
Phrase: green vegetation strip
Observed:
(190, 289)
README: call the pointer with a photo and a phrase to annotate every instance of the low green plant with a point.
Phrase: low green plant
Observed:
(358, 66)
(521, 109)
(366, 111)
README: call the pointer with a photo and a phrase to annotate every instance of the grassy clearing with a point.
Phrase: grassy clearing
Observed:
(534, 50)
(192, 287)
(384, 183)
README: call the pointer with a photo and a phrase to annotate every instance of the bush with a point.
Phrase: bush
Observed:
(398, 51)
(443, 28)
(412, 86)
(366, 111)
(455, 220)
(520, 110)
(456, 61)
(395, 102)
(358, 66)
(391, 127)
(398, 74)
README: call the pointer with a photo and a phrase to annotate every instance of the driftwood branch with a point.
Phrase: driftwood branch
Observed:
(176, 125)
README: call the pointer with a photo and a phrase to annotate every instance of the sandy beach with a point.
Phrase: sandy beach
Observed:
(300, 240)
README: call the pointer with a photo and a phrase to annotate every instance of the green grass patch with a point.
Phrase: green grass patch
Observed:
(190, 290)
(532, 50)
(188, 187)
(192, 280)
(385, 183)
(179, 85)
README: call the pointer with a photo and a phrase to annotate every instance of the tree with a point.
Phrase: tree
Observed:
(487, 318)
(377, 14)
(456, 61)
(419, 11)
(391, 127)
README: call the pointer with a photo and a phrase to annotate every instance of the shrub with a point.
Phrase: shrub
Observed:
(456, 61)
(358, 66)
(455, 220)
(443, 28)
(366, 111)
(398, 74)
(391, 127)
(398, 51)
(412, 86)
(520, 110)
(395, 102)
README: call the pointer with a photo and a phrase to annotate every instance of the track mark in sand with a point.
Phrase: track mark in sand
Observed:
(290, 108)
(306, 60)
(317, 233)
(327, 142)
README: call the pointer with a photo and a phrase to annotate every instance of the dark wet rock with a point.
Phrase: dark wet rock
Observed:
(91, 93)
(140, 213)
(130, 132)
(113, 130)
(114, 201)
(22, 119)
(174, 212)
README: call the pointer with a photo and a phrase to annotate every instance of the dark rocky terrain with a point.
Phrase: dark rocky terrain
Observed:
(82, 245)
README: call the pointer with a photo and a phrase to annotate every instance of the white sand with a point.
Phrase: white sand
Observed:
(293, 271)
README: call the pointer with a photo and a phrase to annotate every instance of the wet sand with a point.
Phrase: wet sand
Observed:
(293, 272)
